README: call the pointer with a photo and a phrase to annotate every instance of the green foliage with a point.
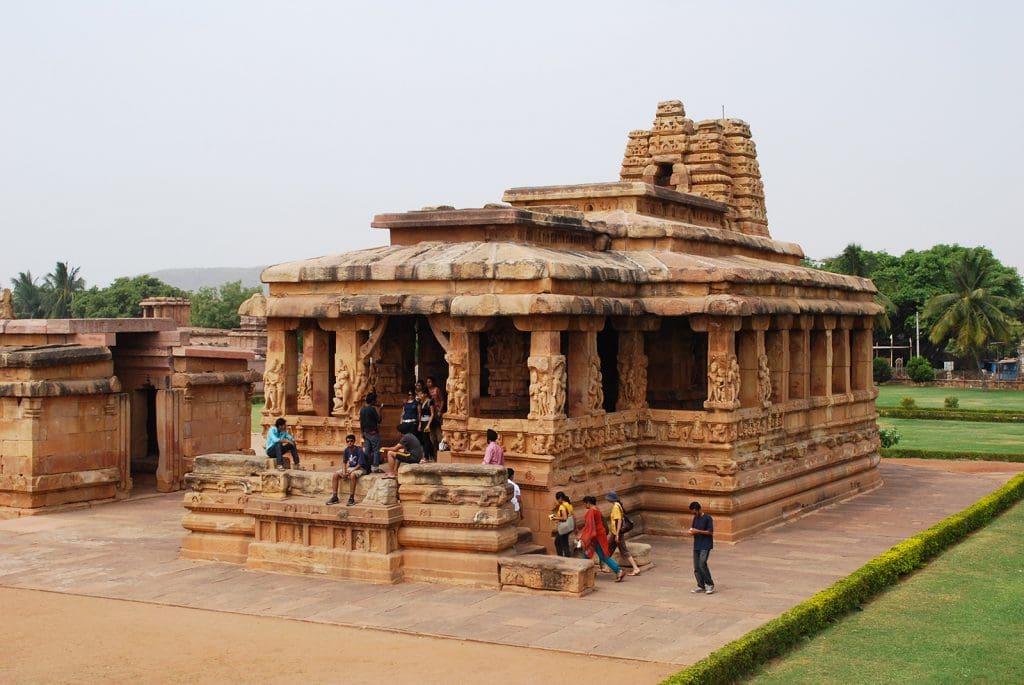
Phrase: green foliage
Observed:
(880, 370)
(62, 286)
(218, 307)
(997, 438)
(29, 297)
(908, 403)
(121, 298)
(972, 312)
(740, 658)
(920, 370)
(951, 402)
(904, 453)
(930, 414)
(970, 398)
(890, 437)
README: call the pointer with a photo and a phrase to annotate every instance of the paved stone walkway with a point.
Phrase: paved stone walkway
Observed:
(128, 551)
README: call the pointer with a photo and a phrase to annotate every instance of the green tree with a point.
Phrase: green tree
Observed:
(920, 370)
(218, 307)
(121, 298)
(975, 312)
(29, 297)
(62, 286)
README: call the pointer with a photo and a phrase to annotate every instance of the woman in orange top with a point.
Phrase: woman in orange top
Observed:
(595, 538)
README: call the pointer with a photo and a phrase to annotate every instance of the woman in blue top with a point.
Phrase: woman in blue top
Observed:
(411, 410)
(427, 419)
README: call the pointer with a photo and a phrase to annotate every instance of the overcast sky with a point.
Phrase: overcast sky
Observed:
(137, 136)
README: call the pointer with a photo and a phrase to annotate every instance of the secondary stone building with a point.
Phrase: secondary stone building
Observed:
(91, 406)
(646, 335)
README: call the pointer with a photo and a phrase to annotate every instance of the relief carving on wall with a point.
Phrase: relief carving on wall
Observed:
(547, 386)
(724, 380)
(595, 386)
(458, 395)
(632, 368)
(764, 381)
(342, 389)
(273, 388)
(305, 387)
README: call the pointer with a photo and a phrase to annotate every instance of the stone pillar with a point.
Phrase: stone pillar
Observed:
(548, 376)
(861, 371)
(841, 356)
(800, 358)
(750, 352)
(316, 349)
(777, 349)
(123, 408)
(583, 367)
(723, 366)
(279, 338)
(821, 356)
(170, 417)
(632, 362)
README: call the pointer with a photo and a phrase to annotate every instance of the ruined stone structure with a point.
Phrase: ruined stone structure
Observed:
(90, 406)
(646, 335)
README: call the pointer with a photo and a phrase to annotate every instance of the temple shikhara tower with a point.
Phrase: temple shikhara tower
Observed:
(647, 335)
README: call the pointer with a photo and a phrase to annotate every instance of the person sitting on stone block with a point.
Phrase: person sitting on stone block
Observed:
(354, 465)
(407, 450)
(279, 441)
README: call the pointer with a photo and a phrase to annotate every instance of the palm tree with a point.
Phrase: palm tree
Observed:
(63, 285)
(28, 297)
(972, 315)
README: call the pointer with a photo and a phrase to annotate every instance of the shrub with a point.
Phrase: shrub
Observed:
(908, 403)
(920, 370)
(951, 402)
(881, 370)
(890, 437)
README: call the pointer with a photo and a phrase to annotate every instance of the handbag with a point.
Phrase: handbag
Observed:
(627, 523)
(567, 526)
(442, 446)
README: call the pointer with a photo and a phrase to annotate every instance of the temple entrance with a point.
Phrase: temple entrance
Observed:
(678, 371)
(504, 374)
(408, 352)
(145, 447)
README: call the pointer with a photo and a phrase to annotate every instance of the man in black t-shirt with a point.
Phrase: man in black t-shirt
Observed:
(703, 531)
(369, 423)
(407, 450)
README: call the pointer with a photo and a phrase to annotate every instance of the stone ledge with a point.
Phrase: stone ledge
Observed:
(538, 573)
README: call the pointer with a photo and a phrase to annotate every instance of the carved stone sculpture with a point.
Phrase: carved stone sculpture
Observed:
(456, 386)
(632, 369)
(273, 388)
(6, 304)
(342, 389)
(305, 388)
(764, 381)
(595, 387)
(723, 379)
(547, 386)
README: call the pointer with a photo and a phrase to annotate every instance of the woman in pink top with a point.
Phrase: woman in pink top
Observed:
(493, 454)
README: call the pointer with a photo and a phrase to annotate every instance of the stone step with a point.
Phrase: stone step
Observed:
(530, 548)
(539, 573)
(523, 535)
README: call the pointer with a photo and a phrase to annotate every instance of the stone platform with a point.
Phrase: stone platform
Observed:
(129, 550)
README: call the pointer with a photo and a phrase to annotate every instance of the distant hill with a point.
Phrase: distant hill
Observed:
(212, 277)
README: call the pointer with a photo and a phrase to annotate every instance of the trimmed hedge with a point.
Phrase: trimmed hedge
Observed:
(744, 656)
(898, 453)
(986, 416)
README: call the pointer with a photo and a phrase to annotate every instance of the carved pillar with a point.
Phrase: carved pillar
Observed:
(280, 339)
(800, 358)
(821, 356)
(723, 366)
(777, 349)
(631, 364)
(861, 372)
(315, 374)
(583, 365)
(355, 342)
(755, 386)
(170, 419)
(463, 375)
(841, 356)
(548, 376)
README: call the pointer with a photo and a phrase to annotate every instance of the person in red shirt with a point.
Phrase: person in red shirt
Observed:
(594, 537)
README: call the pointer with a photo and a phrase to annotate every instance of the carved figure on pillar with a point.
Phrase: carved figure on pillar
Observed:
(6, 304)
(342, 389)
(458, 396)
(547, 386)
(595, 386)
(632, 369)
(764, 381)
(273, 388)
(305, 389)
(724, 380)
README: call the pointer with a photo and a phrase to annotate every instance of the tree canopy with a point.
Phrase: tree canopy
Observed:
(909, 281)
(218, 307)
(121, 298)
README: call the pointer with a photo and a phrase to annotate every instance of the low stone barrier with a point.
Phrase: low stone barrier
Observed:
(537, 572)
(641, 552)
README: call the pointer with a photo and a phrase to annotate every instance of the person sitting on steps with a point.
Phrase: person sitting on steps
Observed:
(407, 450)
(354, 465)
(279, 441)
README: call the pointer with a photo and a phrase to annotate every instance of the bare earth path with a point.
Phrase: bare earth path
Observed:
(128, 551)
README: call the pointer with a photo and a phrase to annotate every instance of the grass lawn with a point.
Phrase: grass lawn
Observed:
(890, 395)
(257, 408)
(958, 620)
(969, 436)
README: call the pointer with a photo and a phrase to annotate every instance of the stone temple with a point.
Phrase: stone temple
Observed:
(646, 335)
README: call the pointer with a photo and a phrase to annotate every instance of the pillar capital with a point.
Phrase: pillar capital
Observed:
(703, 323)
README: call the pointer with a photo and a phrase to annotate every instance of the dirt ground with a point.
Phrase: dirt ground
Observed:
(58, 638)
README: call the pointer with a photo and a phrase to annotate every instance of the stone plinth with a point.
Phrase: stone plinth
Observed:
(538, 573)
(458, 522)
(641, 552)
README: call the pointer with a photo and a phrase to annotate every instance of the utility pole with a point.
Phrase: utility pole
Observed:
(917, 326)
(890, 350)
